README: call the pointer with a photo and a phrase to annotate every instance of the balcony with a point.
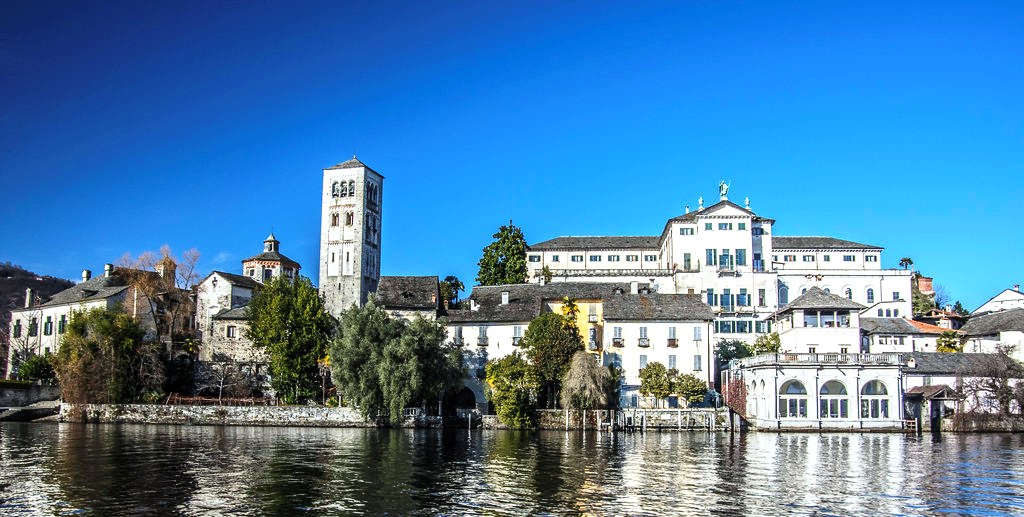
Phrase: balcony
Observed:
(481, 341)
(592, 318)
(727, 270)
(516, 340)
(617, 342)
(643, 342)
(673, 342)
(593, 346)
(846, 359)
(458, 341)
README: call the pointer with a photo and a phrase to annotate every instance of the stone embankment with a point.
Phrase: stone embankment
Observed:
(308, 416)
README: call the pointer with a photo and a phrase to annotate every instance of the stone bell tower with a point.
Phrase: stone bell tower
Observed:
(350, 225)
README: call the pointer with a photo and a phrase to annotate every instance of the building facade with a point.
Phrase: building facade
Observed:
(350, 234)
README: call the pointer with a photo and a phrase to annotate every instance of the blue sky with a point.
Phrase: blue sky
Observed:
(125, 126)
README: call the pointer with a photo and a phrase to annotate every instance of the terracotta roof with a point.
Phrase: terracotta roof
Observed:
(928, 328)
(273, 256)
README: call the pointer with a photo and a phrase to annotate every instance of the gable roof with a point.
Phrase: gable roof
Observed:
(928, 328)
(238, 313)
(818, 243)
(969, 364)
(692, 216)
(656, 307)
(994, 322)
(1000, 293)
(815, 298)
(96, 288)
(233, 279)
(408, 292)
(887, 326)
(597, 243)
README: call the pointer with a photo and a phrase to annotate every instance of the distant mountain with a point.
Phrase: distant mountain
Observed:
(13, 282)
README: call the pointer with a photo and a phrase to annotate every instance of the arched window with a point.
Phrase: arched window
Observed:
(827, 290)
(888, 313)
(343, 189)
(895, 313)
(874, 400)
(783, 295)
(352, 187)
(334, 219)
(881, 313)
(803, 290)
(834, 401)
(349, 218)
(849, 293)
(335, 189)
(871, 295)
(793, 400)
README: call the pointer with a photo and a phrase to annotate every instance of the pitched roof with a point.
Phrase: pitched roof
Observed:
(887, 326)
(692, 216)
(526, 301)
(994, 323)
(940, 363)
(239, 280)
(598, 243)
(352, 164)
(928, 392)
(408, 292)
(817, 243)
(928, 328)
(238, 313)
(96, 288)
(656, 307)
(1014, 291)
(273, 256)
(815, 298)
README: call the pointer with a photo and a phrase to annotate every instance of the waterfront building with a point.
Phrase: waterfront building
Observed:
(222, 298)
(350, 234)
(999, 331)
(819, 322)
(880, 335)
(37, 328)
(730, 256)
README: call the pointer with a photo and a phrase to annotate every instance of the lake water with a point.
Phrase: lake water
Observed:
(98, 469)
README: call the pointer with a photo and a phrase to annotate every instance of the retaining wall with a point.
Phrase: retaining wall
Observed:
(309, 416)
(23, 396)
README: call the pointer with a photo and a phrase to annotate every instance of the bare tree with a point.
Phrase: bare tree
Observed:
(994, 385)
(941, 298)
(164, 285)
(584, 385)
(27, 343)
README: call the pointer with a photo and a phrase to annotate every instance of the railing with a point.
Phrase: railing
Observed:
(643, 342)
(852, 359)
(617, 342)
(592, 318)
(481, 341)
(673, 342)
(516, 340)
(593, 346)
(611, 272)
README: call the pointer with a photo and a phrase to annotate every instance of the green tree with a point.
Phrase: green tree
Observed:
(728, 349)
(585, 385)
(766, 344)
(546, 274)
(511, 385)
(384, 365)
(504, 260)
(655, 381)
(692, 389)
(949, 341)
(906, 262)
(549, 343)
(287, 319)
(103, 359)
(450, 288)
(37, 367)
(959, 309)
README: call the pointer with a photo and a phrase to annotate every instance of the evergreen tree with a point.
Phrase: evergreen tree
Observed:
(504, 260)
(450, 288)
(287, 319)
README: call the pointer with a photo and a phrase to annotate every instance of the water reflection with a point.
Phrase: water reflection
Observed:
(108, 469)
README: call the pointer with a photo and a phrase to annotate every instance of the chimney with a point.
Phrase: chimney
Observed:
(634, 287)
(504, 297)
(28, 297)
(86, 275)
(473, 306)
(1016, 287)
(108, 269)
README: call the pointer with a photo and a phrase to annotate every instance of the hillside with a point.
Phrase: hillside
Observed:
(13, 282)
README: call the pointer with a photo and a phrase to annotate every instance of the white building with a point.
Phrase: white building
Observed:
(350, 234)
(1000, 331)
(1007, 299)
(38, 327)
(881, 335)
(818, 322)
(731, 257)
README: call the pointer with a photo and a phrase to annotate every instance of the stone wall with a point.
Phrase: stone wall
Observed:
(656, 419)
(23, 396)
(309, 416)
(983, 423)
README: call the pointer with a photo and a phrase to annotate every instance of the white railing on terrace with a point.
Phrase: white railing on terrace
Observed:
(611, 272)
(852, 359)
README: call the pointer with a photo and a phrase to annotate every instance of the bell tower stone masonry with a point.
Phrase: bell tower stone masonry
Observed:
(350, 228)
